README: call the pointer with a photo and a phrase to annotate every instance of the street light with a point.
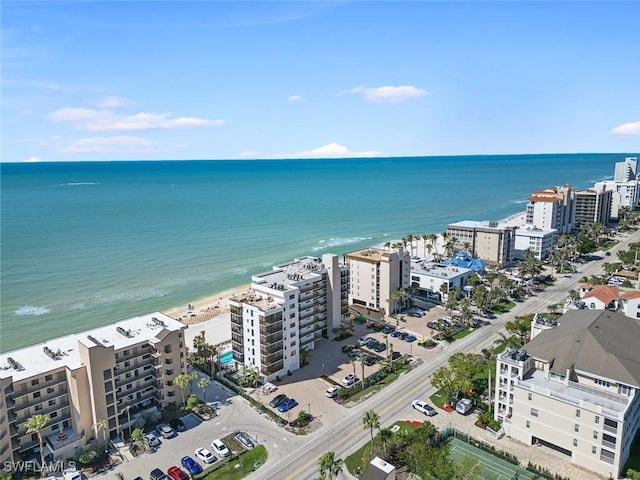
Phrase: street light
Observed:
(323, 369)
(309, 409)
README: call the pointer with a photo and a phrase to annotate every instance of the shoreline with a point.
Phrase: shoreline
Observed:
(216, 305)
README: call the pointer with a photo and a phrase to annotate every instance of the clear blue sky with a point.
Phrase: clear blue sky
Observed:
(107, 80)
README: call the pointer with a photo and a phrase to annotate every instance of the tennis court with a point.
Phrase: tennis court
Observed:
(493, 468)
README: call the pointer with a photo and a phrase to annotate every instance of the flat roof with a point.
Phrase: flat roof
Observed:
(291, 274)
(485, 224)
(434, 269)
(63, 351)
(370, 254)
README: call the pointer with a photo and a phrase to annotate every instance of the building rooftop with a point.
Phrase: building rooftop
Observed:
(440, 270)
(599, 342)
(532, 231)
(63, 351)
(369, 254)
(605, 293)
(485, 225)
(464, 260)
(291, 274)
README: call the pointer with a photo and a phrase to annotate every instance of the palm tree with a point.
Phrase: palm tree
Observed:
(203, 383)
(126, 408)
(183, 381)
(137, 437)
(330, 466)
(385, 435)
(36, 425)
(387, 245)
(101, 425)
(362, 380)
(250, 377)
(433, 238)
(371, 420)
(488, 358)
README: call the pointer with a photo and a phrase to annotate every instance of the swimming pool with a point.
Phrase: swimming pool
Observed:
(226, 357)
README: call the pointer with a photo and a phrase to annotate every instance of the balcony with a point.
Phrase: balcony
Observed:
(273, 348)
(56, 441)
(238, 356)
(268, 329)
(273, 368)
(269, 339)
(36, 388)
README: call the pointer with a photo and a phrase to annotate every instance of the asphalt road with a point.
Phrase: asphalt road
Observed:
(393, 402)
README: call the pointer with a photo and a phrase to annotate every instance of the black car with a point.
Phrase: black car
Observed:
(395, 356)
(277, 400)
(177, 424)
(348, 348)
(157, 474)
(372, 343)
(380, 347)
(388, 329)
(369, 360)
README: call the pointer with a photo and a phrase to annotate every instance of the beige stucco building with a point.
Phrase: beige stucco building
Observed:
(111, 373)
(287, 310)
(491, 242)
(375, 274)
(575, 388)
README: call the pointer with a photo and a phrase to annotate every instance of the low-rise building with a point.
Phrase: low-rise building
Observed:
(375, 274)
(428, 278)
(90, 384)
(539, 240)
(287, 310)
(491, 242)
(575, 388)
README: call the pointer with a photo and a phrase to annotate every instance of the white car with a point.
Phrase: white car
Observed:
(349, 380)
(363, 340)
(220, 448)
(205, 455)
(166, 431)
(151, 440)
(424, 407)
(332, 391)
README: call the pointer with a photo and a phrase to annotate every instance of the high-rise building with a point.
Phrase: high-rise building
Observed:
(96, 382)
(625, 186)
(593, 205)
(491, 242)
(552, 208)
(287, 310)
(575, 388)
(375, 274)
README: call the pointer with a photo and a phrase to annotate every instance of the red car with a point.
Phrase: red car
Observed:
(176, 473)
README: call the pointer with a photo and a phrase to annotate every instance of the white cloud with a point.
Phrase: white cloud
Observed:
(119, 144)
(247, 154)
(330, 150)
(630, 129)
(32, 159)
(389, 93)
(113, 101)
(295, 98)
(104, 120)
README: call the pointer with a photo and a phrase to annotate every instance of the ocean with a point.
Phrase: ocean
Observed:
(88, 243)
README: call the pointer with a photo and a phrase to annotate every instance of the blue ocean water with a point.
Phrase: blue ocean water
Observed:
(88, 243)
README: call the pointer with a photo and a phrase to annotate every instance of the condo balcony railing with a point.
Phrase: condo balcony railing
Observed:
(269, 349)
(238, 357)
(56, 441)
(273, 368)
(271, 328)
(268, 339)
(36, 388)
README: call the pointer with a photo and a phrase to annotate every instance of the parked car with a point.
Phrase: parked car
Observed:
(244, 439)
(372, 343)
(157, 474)
(151, 440)
(363, 341)
(369, 360)
(220, 448)
(349, 380)
(205, 455)
(177, 424)
(287, 405)
(190, 465)
(73, 474)
(395, 356)
(396, 333)
(423, 407)
(388, 328)
(332, 391)
(166, 431)
(277, 400)
(410, 338)
(347, 348)
(355, 353)
(464, 406)
(176, 473)
(379, 347)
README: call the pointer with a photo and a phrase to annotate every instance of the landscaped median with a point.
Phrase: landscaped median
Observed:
(235, 467)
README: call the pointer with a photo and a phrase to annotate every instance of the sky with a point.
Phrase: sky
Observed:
(148, 80)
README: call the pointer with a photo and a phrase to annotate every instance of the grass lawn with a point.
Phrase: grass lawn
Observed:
(609, 244)
(241, 467)
(438, 399)
(463, 333)
(357, 462)
(503, 307)
(374, 388)
(500, 348)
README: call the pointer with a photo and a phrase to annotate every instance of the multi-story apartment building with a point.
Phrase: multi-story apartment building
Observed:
(553, 207)
(105, 375)
(375, 274)
(288, 309)
(593, 205)
(427, 278)
(539, 240)
(575, 389)
(625, 186)
(491, 242)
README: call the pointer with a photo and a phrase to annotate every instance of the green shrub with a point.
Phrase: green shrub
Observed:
(192, 401)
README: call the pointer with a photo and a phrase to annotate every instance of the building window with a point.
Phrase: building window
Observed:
(109, 398)
(624, 390)
(107, 374)
(293, 353)
(129, 387)
(602, 383)
(534, 412)
(528, 424)
(36, 395)
(35, 382)
(293, 344)
(594, 450)
(577, 412)
(50, 389)
(48, 378)
(576, 428)
(530, 396)
(37, 408)
(595, 435)
(597, 419)
(575, 442)
(52, 403)
(53, 414)
(293, 334)
(292, 315)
